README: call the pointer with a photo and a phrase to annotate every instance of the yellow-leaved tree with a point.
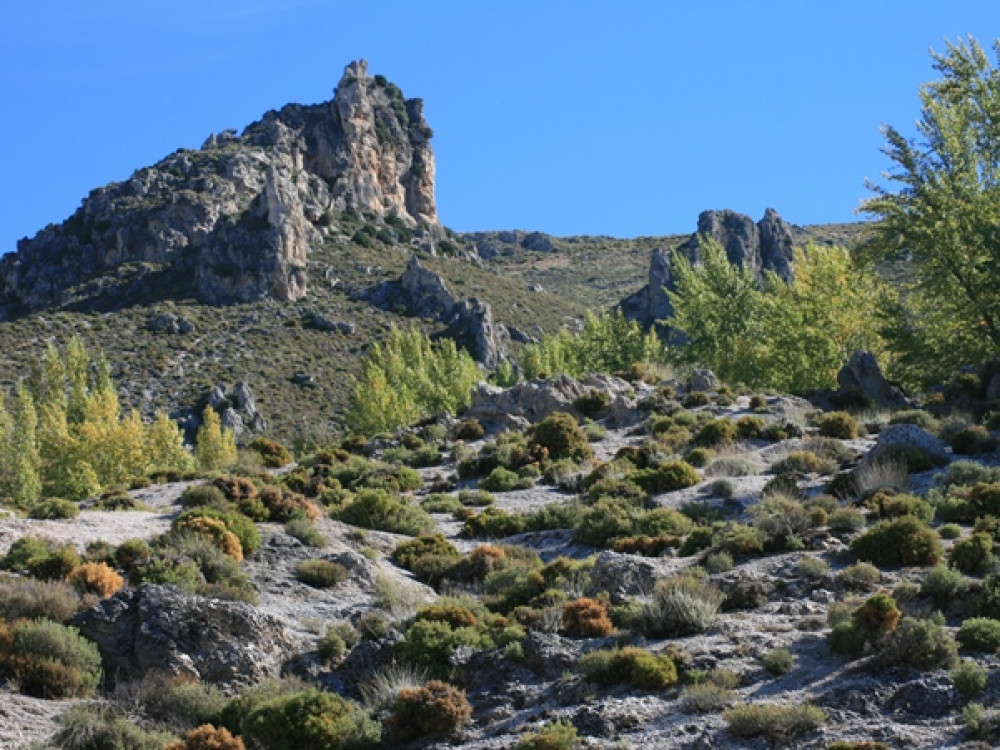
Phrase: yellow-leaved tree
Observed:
(215, 445)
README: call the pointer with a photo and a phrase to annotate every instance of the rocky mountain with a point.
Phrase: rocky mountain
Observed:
(762, 246)
(241, 214)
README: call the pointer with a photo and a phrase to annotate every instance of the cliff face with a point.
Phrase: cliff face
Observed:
(237, 217)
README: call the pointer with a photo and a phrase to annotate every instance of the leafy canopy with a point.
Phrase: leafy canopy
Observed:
(938, 220)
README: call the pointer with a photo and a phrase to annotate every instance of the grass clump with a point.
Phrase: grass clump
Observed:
(838, 424)
(320, 574)
(778, 661)
(681, 605)
(306, 532)
(557, 735)
(776, 722)
(630, 665)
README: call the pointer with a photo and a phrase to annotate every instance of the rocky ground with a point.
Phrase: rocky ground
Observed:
(511, 694)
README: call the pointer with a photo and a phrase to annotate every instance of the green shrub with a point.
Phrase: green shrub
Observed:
(700, 457)
(776, 722)
(778, 661)
(504, 480)
(630, 665)
(681, 605)
(973, 441)
(845, 640)
(494, 523)
(179, 703)
(888, 504)
(55, 509)
(31, 599)
(972, 554)
(861, 576)
(876, 618)
(561, 437)
(378, 509)
(429, 558)
(904, 541)
(428, 644)
(203, 494)
(440, 502)
(339, 638)
(814, 568)
(717, 432)
(943, 585)
(970, 679)
(668, 477)
(306, 532)
(923, 644)
(950, 531)
(557, 735)
(49, 660)
(838, 424)
(920, 418)
(93, 725)
(732, 466)
(979, 634)
(803, 462)
(320, 574)
(749, 427)
(311, 719)
(592, 403)
(434, 709)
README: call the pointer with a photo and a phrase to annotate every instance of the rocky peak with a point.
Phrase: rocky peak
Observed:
(764, 246)
(240, 215)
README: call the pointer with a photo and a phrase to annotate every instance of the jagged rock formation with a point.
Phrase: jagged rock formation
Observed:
(862, 375)
(423, 293)
(161, 629)
(239, 215)
(764, 246)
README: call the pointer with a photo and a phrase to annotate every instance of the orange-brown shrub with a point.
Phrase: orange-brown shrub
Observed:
(207, 737)
(96, 578)
(236, 488)
(587, 618)
(214, 529)
(435, 708)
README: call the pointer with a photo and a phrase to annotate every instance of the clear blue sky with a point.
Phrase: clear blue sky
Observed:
(573, 117)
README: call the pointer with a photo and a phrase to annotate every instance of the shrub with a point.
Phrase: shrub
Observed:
(889, 504)
(679, 606)
(95, 578)
(861, 576)
(838, 424)
(943, 585)
(749, 427)
(876, 618)
(437, 708)
(131, 552)
(979, 634)
(717, 432)
(91, 725)
(320, 574)
(311, 719)
(969, 678)
(439, 502)
(697, 398)
(813, 568)
(179, 703)
(429, 558)
(561, 437)
(494, 523)
(904, 541)
(973, 440)
(54, 509)
(972, 554)
(557, 735)
(778, 661)
(49, 660)
(668, 477)
(586, 618)
(950, 531)
(779, 723)
(846, 519)
(204, 494)
(31, 599)
(700, 457)
(504, 480)
(732, 466)
(469, 429)
(845, 640)
(592, 403)
(428, 644)
(339, 638)
(630, 665)
(378, 509)
(923, 644)
(804, 462)
(208, 737)
(306, 532)
(274, 454)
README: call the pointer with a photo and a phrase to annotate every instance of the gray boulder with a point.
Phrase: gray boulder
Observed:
(538, 242)
(170, 323)
(907, 435)
(703, 380)
(162, 629)
(862, 375)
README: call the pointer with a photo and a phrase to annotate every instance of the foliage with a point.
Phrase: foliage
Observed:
(972, 554)
(681, 605)
(382, 510)
(970, 679)
(979, 634)
(25, 598)
(49, 660)
(54, 508)
(215, 445)
(561, 437)
(312, 718)
(943, 585)
(586, 618)
(320, 574)
(95, 578)
(208, 737)
(838, 424)
(778, 661)
(608, 343)
(630, 665)
(904, 541)
(940, 223)
(556, 735)
(436, 708)
(777, 722)
(94, 725)
(407, 377)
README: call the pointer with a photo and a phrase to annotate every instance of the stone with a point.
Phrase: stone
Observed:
(538, 242)
(862, 375)
(230, 419)
(170, 323)
(303, 379)
(907, 435)
(626, 576)
(162, 629)
(703, 380)
(235, 221)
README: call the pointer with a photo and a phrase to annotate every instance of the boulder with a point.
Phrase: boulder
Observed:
(170, 323)
(538, 242)
(907, 435)
(703, 380)
(626, 576)
(162, 629)
(862, 375)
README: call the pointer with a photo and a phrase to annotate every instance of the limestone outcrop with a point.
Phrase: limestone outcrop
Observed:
(237, 218)
(760, 247)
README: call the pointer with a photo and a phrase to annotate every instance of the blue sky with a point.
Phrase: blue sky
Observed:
(622, 118)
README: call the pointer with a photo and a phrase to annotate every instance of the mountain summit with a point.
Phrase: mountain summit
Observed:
(234, 221)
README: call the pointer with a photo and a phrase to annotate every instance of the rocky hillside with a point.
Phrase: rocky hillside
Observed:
(236, 219)
(602, 590)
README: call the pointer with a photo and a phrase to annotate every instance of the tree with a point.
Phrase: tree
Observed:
(718, 307)
(215, 445)
(941, 224)
(22, 479)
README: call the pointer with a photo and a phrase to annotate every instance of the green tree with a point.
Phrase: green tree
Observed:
(22, 479)
(215, 445)
(719, 308)
(407, 377)
(938, 219)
